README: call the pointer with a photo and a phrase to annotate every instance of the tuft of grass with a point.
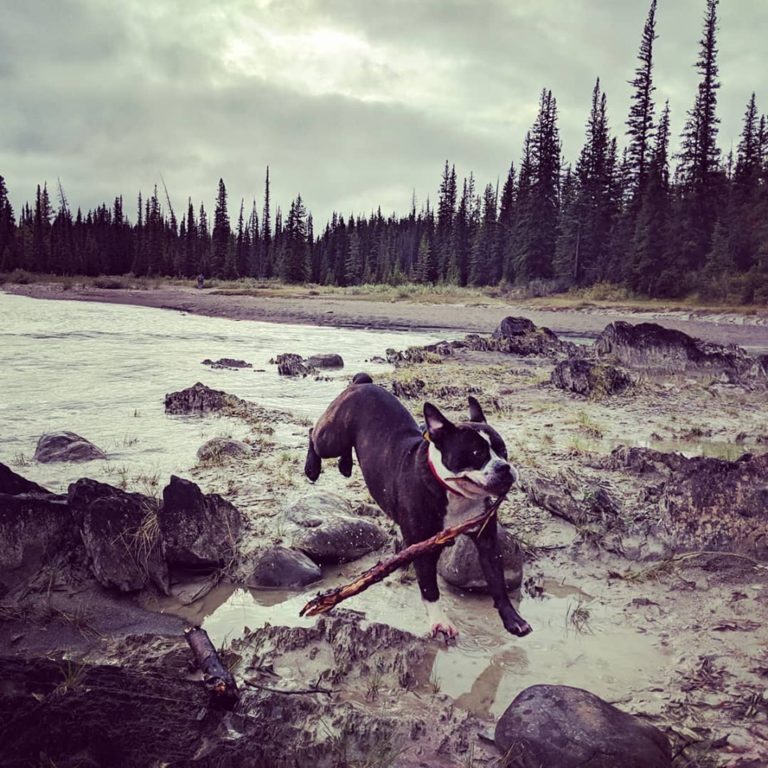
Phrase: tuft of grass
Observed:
(589, 426)
(577, 616)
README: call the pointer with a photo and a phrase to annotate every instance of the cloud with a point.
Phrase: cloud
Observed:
(352, 103)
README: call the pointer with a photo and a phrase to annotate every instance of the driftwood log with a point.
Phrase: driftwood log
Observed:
(217, 678)
(326, 600)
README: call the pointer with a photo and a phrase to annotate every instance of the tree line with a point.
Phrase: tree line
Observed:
(662, 225)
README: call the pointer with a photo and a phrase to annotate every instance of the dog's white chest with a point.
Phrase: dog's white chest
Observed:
(461, 509)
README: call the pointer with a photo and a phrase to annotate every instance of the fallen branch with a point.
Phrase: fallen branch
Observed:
(289, 691)
(326, 600)
(217, 678)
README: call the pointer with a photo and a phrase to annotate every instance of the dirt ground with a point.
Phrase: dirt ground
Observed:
(480, 315)
(679, 641)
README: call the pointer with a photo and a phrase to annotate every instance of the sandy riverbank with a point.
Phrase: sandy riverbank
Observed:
(474, 315)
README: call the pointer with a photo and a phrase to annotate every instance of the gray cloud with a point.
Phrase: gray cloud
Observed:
(352, 103)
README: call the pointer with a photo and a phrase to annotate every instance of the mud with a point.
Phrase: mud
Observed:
(676, 638)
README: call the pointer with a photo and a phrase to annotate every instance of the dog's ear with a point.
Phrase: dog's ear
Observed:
(475, 411)
(437, 424)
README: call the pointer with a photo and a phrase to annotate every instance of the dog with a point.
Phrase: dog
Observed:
(424, 480)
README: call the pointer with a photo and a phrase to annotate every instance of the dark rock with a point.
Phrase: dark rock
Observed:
(66, 446)
(409, 389)
(290, 364)
(564, 727)
(322, 526)
(590, 378)
(514, 326)
(13, 484)
(653, 347)
(712, 504)
(122, 539)
(431, 353)
(227, 362)
(121, 535)
(326, 361)
(282, 567)
(199, 399)
(200, 531)
(221, 449)
(33, 529)
(459, 565)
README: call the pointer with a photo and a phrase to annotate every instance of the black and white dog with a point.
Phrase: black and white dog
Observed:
(424, 482)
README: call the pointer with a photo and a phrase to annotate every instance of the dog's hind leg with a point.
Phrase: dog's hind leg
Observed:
(345, 463)
(313, 462)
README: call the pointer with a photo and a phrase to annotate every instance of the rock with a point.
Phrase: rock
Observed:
(409, 389)
(459, 565)
(322, 526)
(564, 727)
(712, 504)
(34, 528)
(653, 347)
(218, 450)
(290, 364)
(326, 361)
(514, 326)
(590, 378)
(227, 362)
(13, 484)
(121, 535)
(66, 446)
(200, 531)
(199, 399)
(282, 567)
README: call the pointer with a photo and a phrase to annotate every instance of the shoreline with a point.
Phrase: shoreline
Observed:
(340, 311)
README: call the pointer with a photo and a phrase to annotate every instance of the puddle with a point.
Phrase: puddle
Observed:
(714, 449)
(488, 667)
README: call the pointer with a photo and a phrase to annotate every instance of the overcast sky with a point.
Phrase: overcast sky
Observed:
(352, 103)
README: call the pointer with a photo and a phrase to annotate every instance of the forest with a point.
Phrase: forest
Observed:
(660, 224)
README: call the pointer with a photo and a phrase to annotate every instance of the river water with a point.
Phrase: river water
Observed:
(102, 371)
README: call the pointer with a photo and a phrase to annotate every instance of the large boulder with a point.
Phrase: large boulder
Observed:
(121, 536)
(322, 526)
(330, 360)
(200, 531)
(460, 566)
(712, 504)
(66, 446)
(223, 449)
(653, 347)
(589, 378)
(199, 399)
(562, 727)
(280, 567)
(34, 528)
(13, 484)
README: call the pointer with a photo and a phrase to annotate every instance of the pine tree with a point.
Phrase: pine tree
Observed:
(7, 231)
(294, 266)
(267, 258)
(640, 121)
(220, 237)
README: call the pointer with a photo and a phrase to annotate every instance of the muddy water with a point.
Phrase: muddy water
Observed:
(102, 370)
(487, 667)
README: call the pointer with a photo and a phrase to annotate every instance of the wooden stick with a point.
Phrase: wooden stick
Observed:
(217, 678)
(326, 600)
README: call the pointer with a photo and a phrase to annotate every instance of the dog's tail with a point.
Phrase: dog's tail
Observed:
(362, 378)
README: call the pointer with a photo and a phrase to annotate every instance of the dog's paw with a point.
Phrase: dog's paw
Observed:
(445, 630)
(518, 627)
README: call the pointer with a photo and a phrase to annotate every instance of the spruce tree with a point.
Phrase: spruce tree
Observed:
(640, 121)
(220, 236)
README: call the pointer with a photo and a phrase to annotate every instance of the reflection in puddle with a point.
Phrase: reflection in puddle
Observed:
(488, 667)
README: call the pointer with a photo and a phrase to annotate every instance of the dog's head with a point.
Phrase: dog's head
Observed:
(469, 457)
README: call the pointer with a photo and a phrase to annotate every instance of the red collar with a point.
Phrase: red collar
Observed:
(440, 479)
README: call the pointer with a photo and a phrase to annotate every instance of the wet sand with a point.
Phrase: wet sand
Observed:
(474, 316)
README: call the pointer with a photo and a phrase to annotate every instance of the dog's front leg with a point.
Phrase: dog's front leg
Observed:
(492, 563)
(426, 573)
